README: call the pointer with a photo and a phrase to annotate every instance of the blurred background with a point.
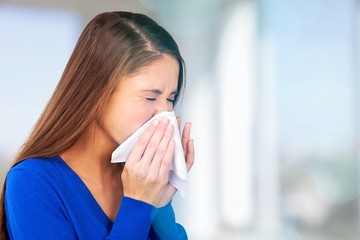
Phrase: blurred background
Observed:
(272, 92)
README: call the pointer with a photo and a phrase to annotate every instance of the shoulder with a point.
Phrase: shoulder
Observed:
(36, 165)
(33, 199)
(33, 180)
(33, 169)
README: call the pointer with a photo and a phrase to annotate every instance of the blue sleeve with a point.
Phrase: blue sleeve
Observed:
(164, 225)
(32, 210)
(133, 220)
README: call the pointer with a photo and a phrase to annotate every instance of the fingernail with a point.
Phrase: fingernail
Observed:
(155, 122)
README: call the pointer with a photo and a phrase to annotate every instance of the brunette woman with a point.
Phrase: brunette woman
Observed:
(124, 69)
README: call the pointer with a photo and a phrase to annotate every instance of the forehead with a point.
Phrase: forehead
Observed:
(163, 72)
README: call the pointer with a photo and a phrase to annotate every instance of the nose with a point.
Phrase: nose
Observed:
(163, 106)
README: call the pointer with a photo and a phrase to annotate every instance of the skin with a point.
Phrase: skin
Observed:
(145, 175)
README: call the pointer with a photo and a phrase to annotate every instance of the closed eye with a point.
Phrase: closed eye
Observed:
(154, 99)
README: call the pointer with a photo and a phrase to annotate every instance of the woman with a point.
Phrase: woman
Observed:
(124, 70)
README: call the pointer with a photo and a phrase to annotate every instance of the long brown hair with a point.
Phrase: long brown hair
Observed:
(112, 45)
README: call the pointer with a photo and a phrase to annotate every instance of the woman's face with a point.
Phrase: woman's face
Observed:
(138, 98)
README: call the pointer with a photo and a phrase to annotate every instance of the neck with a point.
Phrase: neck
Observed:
(90, 157)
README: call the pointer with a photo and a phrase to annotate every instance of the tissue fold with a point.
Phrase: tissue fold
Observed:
(178, 172)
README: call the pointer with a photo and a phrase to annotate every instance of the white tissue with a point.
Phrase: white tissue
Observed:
(178, 173)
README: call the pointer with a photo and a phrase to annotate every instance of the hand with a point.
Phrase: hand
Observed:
(146, 172)
(189, 153)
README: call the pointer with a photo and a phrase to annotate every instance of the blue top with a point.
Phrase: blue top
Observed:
(46, 199)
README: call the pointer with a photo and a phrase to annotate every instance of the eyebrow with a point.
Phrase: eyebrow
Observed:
(158, 92)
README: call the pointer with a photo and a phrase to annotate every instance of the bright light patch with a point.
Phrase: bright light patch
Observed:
(236, 86)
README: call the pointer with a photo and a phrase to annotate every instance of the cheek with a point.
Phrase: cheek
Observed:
(134, 119)
(139, 117)
(122, 119)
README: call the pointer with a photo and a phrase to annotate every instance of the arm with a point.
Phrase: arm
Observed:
(143, 178)
(133, 220)
(164, 225)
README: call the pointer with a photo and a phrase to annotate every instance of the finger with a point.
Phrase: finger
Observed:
(186, 137)
(140, 145)
(154, 143)
(161, 151)
(190, 155)
(167, 160)
(169, 193)
(178, 119)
